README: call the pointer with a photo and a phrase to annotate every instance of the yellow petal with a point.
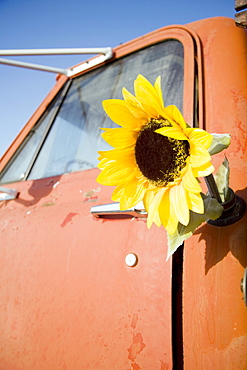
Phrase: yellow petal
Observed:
(147, 95)
(153, 207)
(198, 155)
(164, 208)
(117, 193)
(117, 153)
(157, 86)
(134, 106)
(119, 113)
(174, 113)
(157, 220)
(190, 183)
(195, 202)
(115, 174)
(120, 137)
(199, 136)
(131, 99)
(132, 187)
(172, 222)
(203, 170)
(147, 200)
(179, 202)
(134, 192)
(174, 133)
(125, 202)
(124, 157)
(103, 163)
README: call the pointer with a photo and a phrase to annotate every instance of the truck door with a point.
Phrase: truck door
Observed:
(80, 291)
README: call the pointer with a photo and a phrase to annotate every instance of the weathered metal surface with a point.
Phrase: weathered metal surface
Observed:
(241, 19)
(214, 313)
(68, 300)
(240, 4)
(241, 16)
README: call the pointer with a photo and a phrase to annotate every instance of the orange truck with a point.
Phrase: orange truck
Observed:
(84, 285)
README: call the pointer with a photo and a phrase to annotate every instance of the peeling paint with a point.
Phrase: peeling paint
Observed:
(135, 366)
(134, 321)
(68, 219)
(56, 184)
(136, 347)
(48, 204)
(90, 195)
(164, 365)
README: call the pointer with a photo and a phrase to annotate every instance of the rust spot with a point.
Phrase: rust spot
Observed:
(134, 321)
(91, 199)
(136, 347)
(135, 366)
(68, 218)
(48, 204)
(90, 196)
(164, 365)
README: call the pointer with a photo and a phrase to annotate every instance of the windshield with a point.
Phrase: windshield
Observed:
(69, 140)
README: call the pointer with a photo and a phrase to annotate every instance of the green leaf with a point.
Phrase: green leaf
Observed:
(219, 143)
(212, 210)
(222, 179)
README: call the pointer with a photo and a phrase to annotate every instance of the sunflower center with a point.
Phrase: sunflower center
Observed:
(160, 158)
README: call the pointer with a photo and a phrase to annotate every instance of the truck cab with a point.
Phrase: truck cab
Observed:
(83, 287)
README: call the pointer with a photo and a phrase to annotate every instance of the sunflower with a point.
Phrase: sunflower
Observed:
(157, 157)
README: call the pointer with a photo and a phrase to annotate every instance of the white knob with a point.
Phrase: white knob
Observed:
(131, 260)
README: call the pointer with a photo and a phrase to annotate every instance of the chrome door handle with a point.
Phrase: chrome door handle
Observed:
(7, 194)
(113, 210)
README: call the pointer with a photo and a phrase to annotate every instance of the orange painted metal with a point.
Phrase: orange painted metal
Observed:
(214, 313)
(67, 298)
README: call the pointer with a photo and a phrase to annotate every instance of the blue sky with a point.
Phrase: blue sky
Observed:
(28, 24)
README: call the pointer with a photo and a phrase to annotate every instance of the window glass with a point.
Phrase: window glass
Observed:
(74, 138)
(16, 171)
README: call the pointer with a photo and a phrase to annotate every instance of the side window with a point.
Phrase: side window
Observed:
(72, 142)
(18, 167)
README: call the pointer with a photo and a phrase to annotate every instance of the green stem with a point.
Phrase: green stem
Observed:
(212, 187)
